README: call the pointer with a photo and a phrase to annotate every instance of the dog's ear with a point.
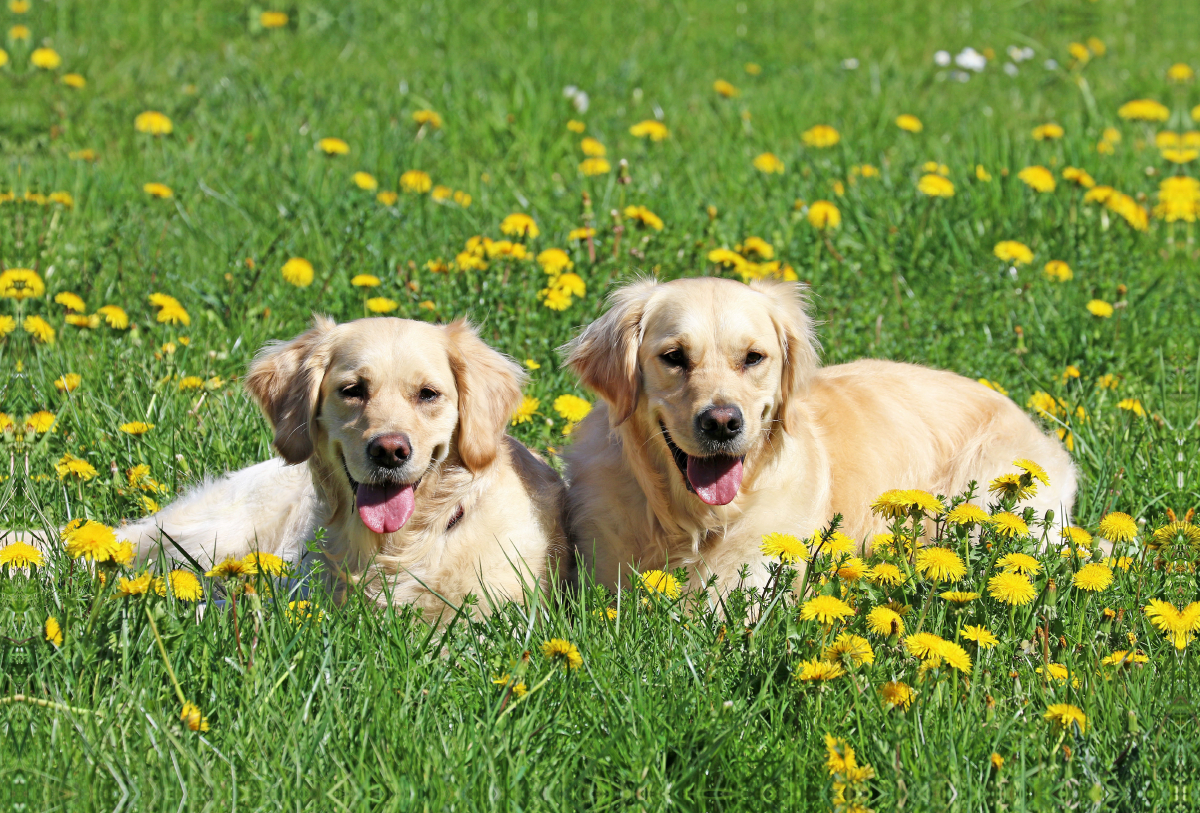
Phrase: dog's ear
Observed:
(285, 379)
(605, 354)
(794, 330)
(489, 392)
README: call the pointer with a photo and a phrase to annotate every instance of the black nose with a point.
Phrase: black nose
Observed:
(720, 422)
(389, 451)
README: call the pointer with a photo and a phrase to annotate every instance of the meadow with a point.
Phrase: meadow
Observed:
(1008, 193)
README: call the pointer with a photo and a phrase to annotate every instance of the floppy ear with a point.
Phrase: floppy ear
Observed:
(489, 392)
(794, 330)
(285, 379)
(605, 354)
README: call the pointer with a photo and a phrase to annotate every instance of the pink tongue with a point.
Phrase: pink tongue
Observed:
(715, 479)
(385, 509)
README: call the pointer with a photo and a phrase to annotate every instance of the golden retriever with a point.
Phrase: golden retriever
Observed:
(402, 425)
(719, 426)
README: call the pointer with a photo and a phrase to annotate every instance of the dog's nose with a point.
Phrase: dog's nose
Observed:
(389, 451)
(720, 422)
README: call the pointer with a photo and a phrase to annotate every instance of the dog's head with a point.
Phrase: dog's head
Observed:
(712, 363)
(380, 402)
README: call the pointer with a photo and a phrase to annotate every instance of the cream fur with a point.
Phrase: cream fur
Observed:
(818, 441)
(510, 535)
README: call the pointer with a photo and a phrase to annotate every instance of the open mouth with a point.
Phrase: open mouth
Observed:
(714, 479)
(384, 508)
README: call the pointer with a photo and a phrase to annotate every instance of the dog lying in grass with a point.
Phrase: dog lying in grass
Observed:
(402, 427)
(719, 426)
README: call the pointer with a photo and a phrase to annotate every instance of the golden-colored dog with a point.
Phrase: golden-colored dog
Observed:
(402, 427)
(718, 426)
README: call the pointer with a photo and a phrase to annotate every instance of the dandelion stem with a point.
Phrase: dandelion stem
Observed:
(166, 661)
(528, 694)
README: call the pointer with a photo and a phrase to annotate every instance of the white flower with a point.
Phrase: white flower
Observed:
(971, 59)
(942, 58)
(961, 76)
(569, 92)
(1019, 54)
(850, 64)
(1011, 69)
(581, 102)
(1050, 65)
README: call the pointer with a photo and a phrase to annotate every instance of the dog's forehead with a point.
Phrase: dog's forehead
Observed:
(730, 314)
(400, 347)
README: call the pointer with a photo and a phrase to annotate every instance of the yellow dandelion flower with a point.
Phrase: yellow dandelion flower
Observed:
(365, 181)
(365, 281)
(1093, 577)
(519, 224)
(273, 19)
(1011, 485)
(45, 58)
(1100, 308)
(333, 146)
(576, 126)
(184, 585)
(153, 123)
(644, 217)
(70, 301)
(1012, 588)
(909, 123)
(885, 573)
(849, 647)
(427, 117)
(784, 547)
(658, 581)
(1078, 176)
(967, 514)
(381, 304)
(555, 261)
(190, 382)
(1058, 271)
(1144, 110)
(1077, 537)
(653, 130)
(1021, 563)
(1067, 715)
(768, 163)
(192, 718)
(1180, 626)
(824, 215)
(158, 190)
(138, 586)
(73, 466)
(53, 631)
(298, 271)
(959, 596)
(1118, 527)
(591, 167)
(572, 407)
(1009, 525)
(1047, 132)
(725, 89)
(982, 174)
(114, 316)
(1014, 252)
(267, 563)
(825, 610)
(896, 694)
(935, 186)
(1122, 657)
(526, 410)
(40, 422)
(416, 182)
(980, 635)
(19, 554)
(68, 383)
(21, 283)
(562, 651)
(821, 136)
(90, 540)
(136, 427)
(818, 671)
(940, 564)
(231, 568)
(924, 645)
(39, 328)
(885, 621)
(387, 198)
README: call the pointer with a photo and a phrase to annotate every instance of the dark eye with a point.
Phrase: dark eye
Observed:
(355, 391)
(753, 358)
(428, 395)
(674, 358)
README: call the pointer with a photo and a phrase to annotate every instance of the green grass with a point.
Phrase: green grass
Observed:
(675, 704)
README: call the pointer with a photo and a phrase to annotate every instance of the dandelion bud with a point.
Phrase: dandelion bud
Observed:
(1121, 290)
(1051, 593)
(1131, 721)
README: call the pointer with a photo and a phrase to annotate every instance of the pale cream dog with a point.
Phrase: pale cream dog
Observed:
(402, 427)
(719, 426)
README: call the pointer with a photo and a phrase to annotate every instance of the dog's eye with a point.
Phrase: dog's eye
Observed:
(753, 358)
(355, 391)
(427, 394)
(674, 358)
